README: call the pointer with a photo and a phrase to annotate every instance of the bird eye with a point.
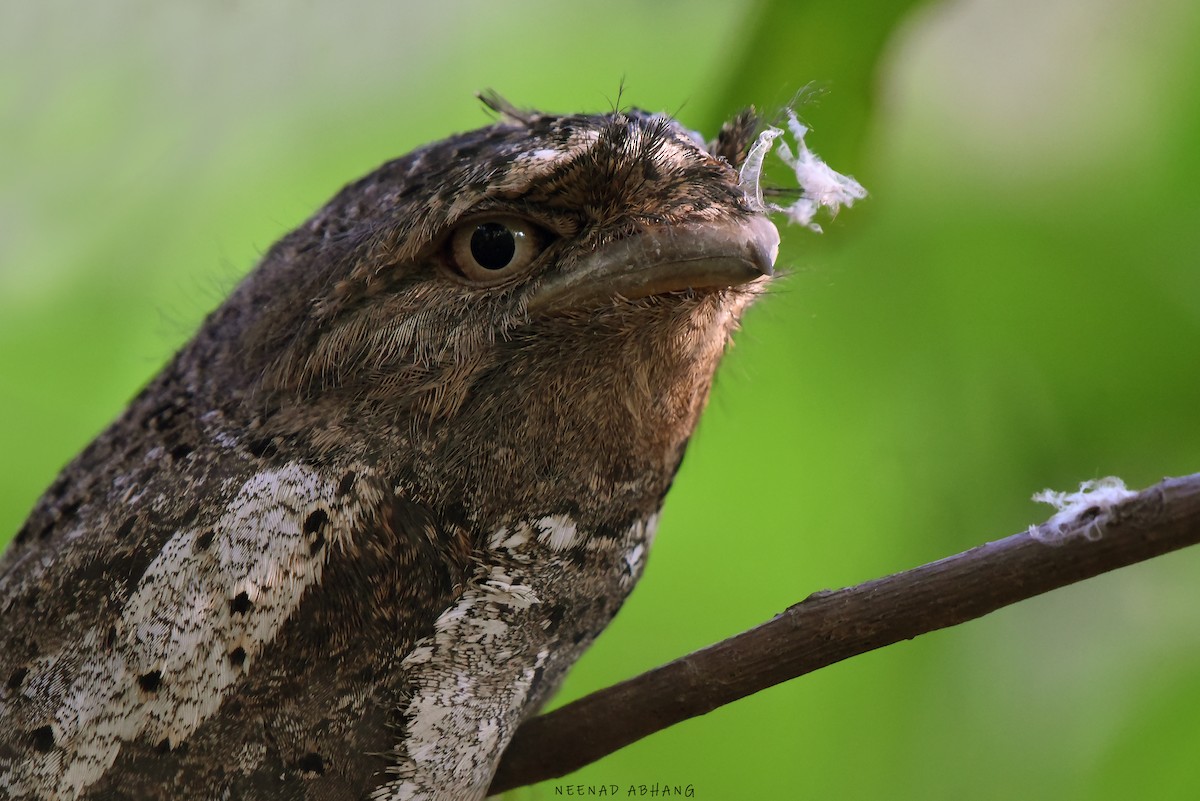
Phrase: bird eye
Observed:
(490, 251)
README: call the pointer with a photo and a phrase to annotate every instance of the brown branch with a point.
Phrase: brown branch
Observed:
(828, 627)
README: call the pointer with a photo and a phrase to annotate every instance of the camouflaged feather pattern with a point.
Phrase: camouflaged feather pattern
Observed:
(361, 525)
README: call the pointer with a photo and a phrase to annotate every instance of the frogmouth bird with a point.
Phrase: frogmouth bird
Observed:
(359, 527)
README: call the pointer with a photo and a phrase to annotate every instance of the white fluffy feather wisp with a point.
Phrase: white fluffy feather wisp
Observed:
(820, 185)
(1101, 494)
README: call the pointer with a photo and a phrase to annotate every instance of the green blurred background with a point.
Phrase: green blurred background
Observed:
(1016, 306)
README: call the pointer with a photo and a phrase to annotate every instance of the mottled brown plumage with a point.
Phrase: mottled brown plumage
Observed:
(361, 525)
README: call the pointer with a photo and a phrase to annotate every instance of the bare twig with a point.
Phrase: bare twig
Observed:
(828, 627)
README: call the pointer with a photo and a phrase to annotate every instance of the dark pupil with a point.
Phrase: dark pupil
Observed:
(493, 246)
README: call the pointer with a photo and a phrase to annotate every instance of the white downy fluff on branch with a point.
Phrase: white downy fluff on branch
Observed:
(820, 185)
(1101, 494)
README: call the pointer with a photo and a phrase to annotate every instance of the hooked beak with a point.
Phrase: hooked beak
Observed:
(708, 255)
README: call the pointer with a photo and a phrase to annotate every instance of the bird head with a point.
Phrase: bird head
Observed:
(570, 281)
